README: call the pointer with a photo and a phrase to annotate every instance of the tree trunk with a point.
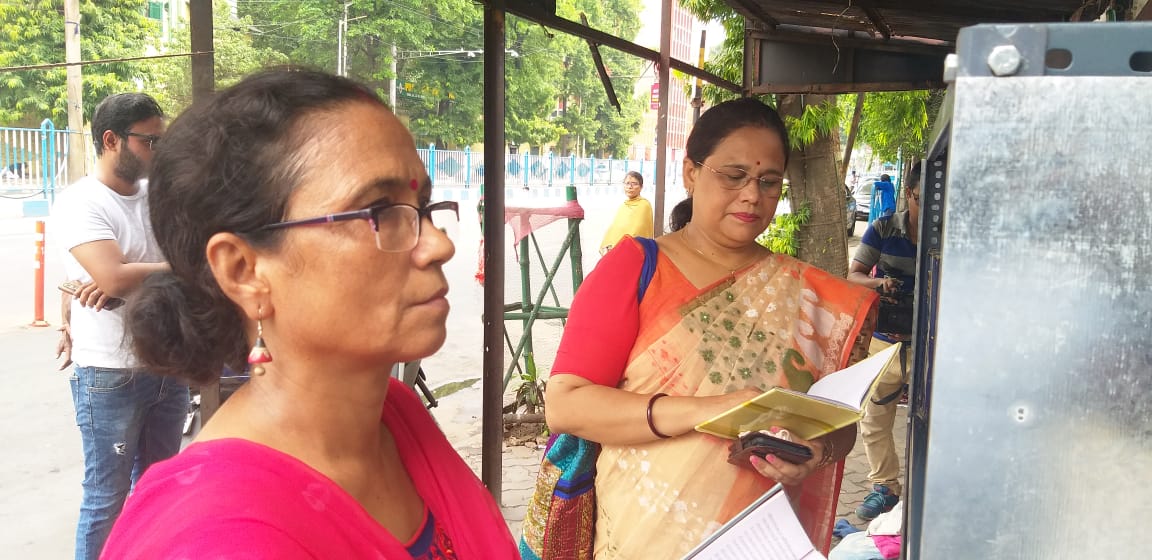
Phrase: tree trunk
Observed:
(812, 176)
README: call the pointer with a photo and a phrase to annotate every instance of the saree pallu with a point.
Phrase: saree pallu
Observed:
(778, 323)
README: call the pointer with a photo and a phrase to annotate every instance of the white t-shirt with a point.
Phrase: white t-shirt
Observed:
(91, 211)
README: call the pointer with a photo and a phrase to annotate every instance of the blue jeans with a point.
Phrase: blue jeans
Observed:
(128, 420)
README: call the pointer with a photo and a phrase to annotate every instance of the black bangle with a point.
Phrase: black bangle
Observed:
(651, 424)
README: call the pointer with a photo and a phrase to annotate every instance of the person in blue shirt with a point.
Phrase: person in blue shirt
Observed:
(886, 262)
(884, 192)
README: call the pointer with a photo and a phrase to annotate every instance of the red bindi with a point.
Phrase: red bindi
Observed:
(414, 185)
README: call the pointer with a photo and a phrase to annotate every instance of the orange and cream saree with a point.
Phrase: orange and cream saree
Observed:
(779, 322)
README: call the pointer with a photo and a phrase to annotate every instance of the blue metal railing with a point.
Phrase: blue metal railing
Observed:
(33, 161)
(462, 168)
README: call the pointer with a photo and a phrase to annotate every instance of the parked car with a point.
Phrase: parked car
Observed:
(851, 210)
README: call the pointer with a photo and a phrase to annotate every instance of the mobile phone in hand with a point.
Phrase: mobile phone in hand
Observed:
(71, 287)
(761, 444)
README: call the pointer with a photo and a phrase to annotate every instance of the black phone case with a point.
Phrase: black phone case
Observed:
(760, 444)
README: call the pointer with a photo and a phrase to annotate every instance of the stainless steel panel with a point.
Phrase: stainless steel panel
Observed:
(1040, 443)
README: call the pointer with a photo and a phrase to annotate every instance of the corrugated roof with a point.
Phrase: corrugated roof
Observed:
(907, 22)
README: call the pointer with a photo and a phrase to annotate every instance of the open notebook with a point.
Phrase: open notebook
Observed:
(766, 530)
(835, 401)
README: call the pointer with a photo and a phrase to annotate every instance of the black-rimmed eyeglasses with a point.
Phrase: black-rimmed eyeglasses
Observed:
(151, 139)
(397, 226)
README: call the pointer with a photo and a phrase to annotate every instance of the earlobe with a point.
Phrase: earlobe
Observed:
(689, 174)
(234, 264)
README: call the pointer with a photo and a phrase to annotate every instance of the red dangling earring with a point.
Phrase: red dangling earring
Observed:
(259, 354)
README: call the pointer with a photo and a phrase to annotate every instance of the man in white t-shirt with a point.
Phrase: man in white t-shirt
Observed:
(128, 419)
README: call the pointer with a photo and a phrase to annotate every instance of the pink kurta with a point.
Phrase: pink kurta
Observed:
(233, 498)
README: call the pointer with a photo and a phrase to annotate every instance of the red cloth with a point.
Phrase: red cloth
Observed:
(526, 220)
(604, 318)
(237, 499)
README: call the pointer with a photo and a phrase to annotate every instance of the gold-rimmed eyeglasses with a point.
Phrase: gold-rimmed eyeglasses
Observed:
(397, 226)
(734, 178)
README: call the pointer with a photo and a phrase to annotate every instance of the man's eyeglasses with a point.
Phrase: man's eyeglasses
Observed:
(734, 178)
(151, 139)
(397, 226)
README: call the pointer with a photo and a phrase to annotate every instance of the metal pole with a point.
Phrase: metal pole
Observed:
(340, 42)
(392, 81)
(577, 250)
(492, 433)
(662, 115)
(38, 318)
(697, 97)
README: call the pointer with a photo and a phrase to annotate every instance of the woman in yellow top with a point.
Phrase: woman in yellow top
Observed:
(633, 218)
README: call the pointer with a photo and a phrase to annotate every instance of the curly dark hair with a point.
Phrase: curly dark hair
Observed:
(226, 165)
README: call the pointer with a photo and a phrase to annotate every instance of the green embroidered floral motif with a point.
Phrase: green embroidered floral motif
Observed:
(728, 324)
(715, 377)
(705, 317)
(734, 342)
(770, 367)
(798, 379)
(745, 373)
(729, 296)
(760, 336)
(708, 355)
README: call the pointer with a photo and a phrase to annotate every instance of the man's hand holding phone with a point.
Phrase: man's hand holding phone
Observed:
(90, 295)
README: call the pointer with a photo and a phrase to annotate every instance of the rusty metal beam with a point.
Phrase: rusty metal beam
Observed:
(605, 79)
(845, 88)
(877, 20)
(752, 10)
(520, 8)
(845, 38)
(492, 413)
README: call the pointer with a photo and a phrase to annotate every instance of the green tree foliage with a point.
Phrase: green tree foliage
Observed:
(892, 123)
(32, 32)
(439, 68)
(234, 57)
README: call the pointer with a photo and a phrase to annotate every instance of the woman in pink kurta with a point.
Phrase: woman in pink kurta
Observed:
(295, 215)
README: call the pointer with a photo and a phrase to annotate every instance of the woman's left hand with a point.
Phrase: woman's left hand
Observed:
(790, 474)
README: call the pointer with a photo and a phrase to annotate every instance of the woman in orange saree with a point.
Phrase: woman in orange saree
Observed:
(723, 319)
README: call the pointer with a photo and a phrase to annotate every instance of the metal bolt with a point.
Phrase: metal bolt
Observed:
(1004, 60)
(951, 67)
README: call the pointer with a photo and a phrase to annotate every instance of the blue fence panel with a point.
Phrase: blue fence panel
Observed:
(34, 161)
(465, 169)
